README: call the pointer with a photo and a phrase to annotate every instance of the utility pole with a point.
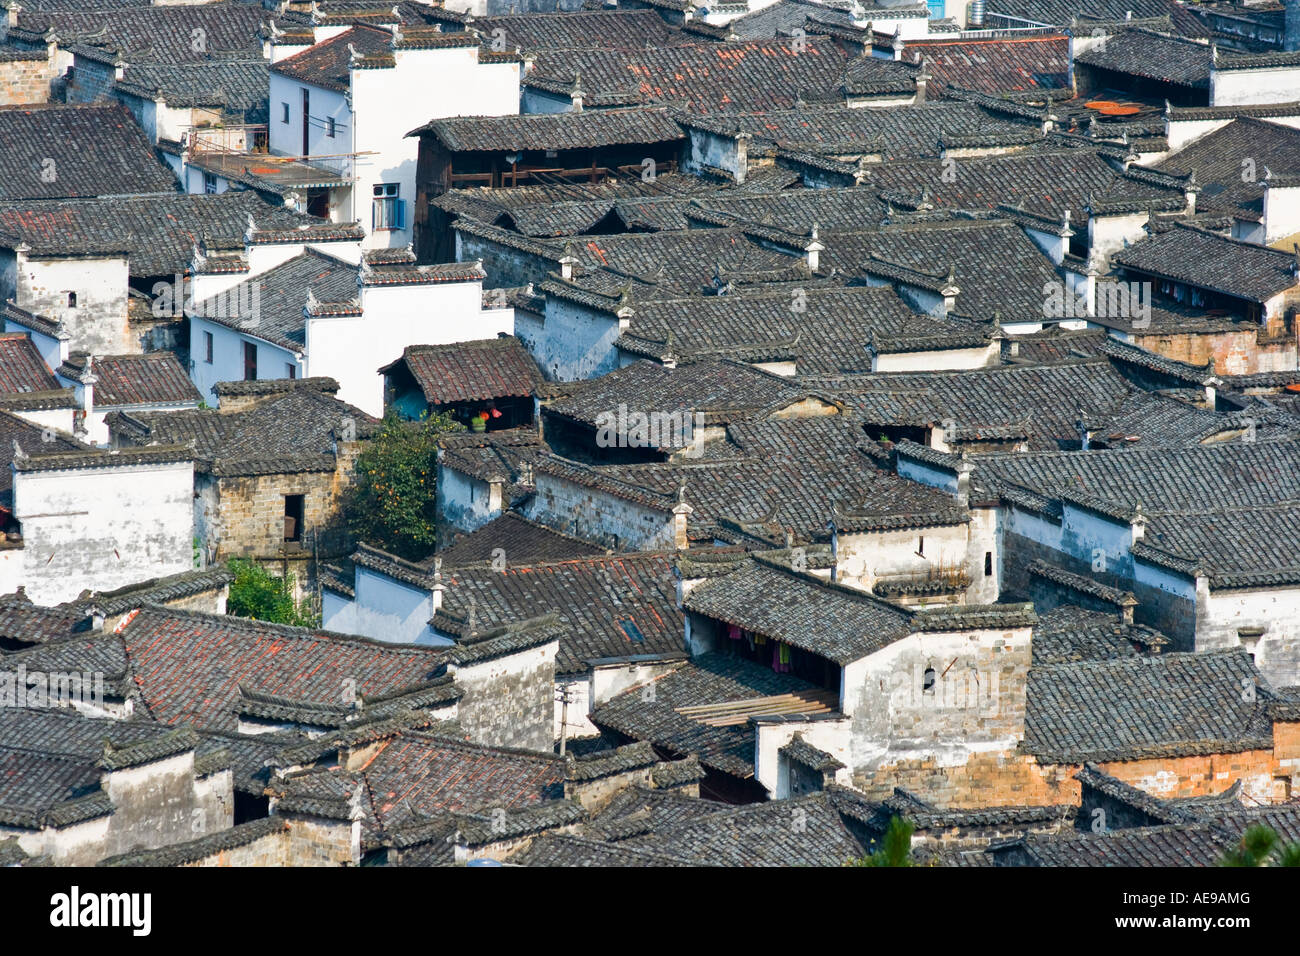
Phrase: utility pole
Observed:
(564, 696)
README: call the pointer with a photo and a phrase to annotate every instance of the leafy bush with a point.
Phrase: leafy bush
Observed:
(392, 505)
(263, 596)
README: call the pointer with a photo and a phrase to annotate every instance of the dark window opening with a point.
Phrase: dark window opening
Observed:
(988, 564)
(928, 686)
(72, 300)
(291, 369)
(250, 362)
(284, 112)
(920, 545)
(293, 505)
(306, 119)
(207, 347)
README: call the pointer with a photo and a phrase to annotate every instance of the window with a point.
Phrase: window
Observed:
(250, 362)
(72, 300)
(988, 564)
(388, 207)
(293, 508)
(920, 545)
(209, 184)
(329, 127)
(291, 369)
(928, 686)
(207, 347)
(284, 112)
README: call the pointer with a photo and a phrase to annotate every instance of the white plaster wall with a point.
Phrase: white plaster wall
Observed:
(390, 610)
(353, 349)
(1254, 87)
(103, 528)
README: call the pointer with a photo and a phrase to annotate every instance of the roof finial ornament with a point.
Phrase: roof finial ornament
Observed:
(19, 454)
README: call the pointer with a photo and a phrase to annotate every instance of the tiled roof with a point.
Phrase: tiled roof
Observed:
(723, 391)
(327, 63)
(415, 775)
(56, 152)
(712, 678)
(587, 130)
(521, 540)
(163, 590)
(1069, 633)
(1202, 258)
(1046, 181)
(637, 810)
(199, 668)
(897, 132)
(238, 86)
(159, 232)
(834, 622)
(1161, 846)
(706, 77)
(477, 370)
(824, 330)
(276, 298)
(581, 29)
(997, 268)
(614, 606)
(21, 367)
(564, 850)
(1004, 64)
(1217, 159)
(761, 834)
(1045, 399)
(1152, 56)
(17, 432)
(291, 431)
(53, 760)
(1170, 705)
(1064, 12)
(157, 34)
(150, 378)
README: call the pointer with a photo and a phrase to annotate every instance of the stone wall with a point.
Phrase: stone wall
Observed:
(508, 700)
(25, 79)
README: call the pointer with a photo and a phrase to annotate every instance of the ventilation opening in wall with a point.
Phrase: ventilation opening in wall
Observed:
(928, 684)
(988, 564)
(293, 506)
(72, 300)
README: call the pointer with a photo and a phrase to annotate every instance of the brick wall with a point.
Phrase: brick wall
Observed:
(25, 81)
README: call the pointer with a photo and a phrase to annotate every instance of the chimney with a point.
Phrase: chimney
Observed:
(1126, 606)
(567, 262)
(576, 94)
(964, 469)
(1210, 383)
(922, 78)
(898, 42)
(949, 292)
(1137, 524)
(88, 382)
(495, 485)
(438, 588)
(742, 156)
(813, 250)
(681, 513)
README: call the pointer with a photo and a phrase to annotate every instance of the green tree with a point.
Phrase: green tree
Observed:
(263, 596)
(895, 849)
(1261, 846)
(392, 504)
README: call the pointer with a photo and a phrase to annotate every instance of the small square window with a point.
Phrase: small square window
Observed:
(291, 369)
(388, 211)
